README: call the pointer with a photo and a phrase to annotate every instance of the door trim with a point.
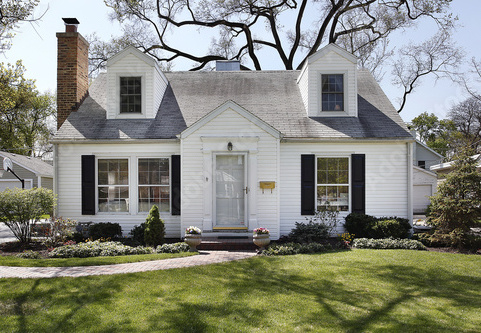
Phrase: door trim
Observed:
(214, 192)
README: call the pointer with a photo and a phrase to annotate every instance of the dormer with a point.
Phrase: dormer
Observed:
(328, 83)
(135, 85)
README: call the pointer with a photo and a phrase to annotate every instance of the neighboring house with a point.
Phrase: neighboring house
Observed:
(225, 151)
(443, 169)
(424, 181)
(34, 171)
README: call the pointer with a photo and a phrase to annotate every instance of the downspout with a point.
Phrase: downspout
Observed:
(55, 176)
(410, 181)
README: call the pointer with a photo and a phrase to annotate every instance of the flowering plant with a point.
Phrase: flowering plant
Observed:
(192, 231)
(261, 231)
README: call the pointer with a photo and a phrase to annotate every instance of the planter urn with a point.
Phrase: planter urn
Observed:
(193, 240)
(261, 240)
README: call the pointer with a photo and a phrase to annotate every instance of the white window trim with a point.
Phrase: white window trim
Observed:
(169, 159)
(143, 87)
(345, 81)
(129, 186)
(349, 183)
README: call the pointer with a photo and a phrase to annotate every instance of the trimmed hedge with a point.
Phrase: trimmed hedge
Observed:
(388, 243)
(295, 248)
(367, 226)
(105, 230)
(97, 249)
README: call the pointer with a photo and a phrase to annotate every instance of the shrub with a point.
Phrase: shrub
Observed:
(58, 231)
(137, 234)
(318, 227)
(106, 230)
(367, 226)
(295, 248)
(359, 224)
(154, 232)
(395, 227)
(308, 232)
(387, 243)
(19, 209)
(29, 254)
(97, 248)
(172, 248)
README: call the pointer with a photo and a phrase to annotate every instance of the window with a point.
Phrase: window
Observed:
(333, 182)
(422, 164)
(332, 92)
(113, 185)
(154, 182)
(130, 95)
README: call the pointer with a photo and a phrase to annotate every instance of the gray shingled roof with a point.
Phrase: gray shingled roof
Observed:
(39, 167)
(272, 96)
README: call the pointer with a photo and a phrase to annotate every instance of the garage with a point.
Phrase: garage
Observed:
(4, 184)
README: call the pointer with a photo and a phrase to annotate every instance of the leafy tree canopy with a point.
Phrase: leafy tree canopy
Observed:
(440, 135)
(26, 116)
(257, 31)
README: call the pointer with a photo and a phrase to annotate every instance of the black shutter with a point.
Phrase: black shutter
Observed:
(358, 177)
(175, 185)
(308, 184)
(88, 184)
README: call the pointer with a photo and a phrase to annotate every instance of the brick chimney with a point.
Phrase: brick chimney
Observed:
(72, 70)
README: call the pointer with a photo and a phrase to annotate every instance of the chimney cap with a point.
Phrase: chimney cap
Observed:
(70, 20)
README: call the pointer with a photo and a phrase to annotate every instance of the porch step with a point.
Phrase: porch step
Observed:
(227, 243)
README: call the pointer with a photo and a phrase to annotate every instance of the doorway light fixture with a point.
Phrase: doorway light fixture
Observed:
(230, 146)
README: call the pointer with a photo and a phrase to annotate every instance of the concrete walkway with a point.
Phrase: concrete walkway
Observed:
(204, 258)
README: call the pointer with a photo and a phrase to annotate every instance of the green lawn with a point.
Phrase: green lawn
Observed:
(348, 291)
(67, 262)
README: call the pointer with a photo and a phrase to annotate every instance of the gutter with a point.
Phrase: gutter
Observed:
(107, 141)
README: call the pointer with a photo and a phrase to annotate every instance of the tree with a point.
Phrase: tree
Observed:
(154, 232)
(12, 13)
(19, 209)
(26, 116)
(440, 135)
(456, 207)
(289, 30)
(466, 116)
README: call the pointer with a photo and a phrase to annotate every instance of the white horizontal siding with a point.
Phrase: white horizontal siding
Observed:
(69, 184)
(386, 178)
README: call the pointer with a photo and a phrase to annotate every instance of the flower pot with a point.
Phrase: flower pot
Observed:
(193, 240)
(261, 240)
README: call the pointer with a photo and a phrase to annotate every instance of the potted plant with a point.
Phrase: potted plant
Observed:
(193, 237)
(261, 238)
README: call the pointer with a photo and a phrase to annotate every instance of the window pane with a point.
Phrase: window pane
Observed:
(332, 88)
(130, 94)
(111, 174)
(154, 186)
(333, 174)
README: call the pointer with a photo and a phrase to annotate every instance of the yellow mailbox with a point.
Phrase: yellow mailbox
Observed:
(267, 185)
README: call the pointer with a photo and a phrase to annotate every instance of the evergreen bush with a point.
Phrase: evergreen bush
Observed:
(105, 230)
(154, 232)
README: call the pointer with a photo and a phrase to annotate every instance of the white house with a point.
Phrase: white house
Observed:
(424, 180)
(226, 151)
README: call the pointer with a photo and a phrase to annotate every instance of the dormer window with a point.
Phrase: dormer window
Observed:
(130, 94)
(332, 92)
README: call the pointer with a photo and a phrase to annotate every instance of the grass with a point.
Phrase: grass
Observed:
(347, 291)
(93, 261)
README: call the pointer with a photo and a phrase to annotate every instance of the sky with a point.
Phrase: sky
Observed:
(36, 45)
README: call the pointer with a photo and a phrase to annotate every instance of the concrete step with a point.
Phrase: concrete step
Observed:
(227, 243)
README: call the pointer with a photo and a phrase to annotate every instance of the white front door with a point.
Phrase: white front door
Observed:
(230, 190)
